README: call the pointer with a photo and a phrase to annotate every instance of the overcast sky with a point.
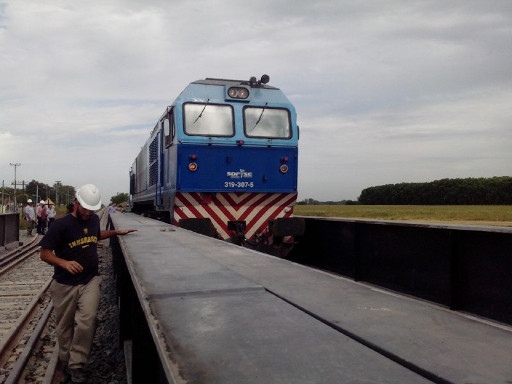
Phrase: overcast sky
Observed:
(386, 91)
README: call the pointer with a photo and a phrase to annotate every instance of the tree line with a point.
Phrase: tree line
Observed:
(468, 191)
(37, 191)
(59, 193)
(310, 201)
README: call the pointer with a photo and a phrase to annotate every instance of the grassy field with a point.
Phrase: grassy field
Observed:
(466, 214)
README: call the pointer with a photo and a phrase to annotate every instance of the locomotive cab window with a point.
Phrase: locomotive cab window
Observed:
(169, 131)
(204, 119)
(267, 122)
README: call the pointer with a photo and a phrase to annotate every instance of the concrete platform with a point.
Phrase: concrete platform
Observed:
(228, 314)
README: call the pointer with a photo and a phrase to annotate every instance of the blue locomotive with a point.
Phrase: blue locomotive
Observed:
(222, 160)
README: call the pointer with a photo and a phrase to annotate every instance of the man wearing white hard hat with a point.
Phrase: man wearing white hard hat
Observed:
(30, 217)
(70, 245)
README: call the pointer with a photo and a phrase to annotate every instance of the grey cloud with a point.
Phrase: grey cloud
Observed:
(386, 91)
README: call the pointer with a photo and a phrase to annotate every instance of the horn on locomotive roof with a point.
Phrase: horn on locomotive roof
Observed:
(264, 80)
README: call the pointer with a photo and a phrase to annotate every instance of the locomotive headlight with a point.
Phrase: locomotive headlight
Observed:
(243, 93)
(283, 168)
(238, 93)
(192, 167)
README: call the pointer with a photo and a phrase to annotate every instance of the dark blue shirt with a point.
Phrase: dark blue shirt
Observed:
(73, 239)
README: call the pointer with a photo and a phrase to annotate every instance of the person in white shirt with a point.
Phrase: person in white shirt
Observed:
(51, 214)
(30, 216)
(112, 208)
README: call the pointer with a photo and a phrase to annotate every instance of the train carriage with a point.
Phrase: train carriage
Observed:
(222, 160)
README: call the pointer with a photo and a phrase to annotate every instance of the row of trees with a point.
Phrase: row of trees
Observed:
(310, 201)
(120, 198)
(468, 191)
(60, 194)
(37, 191)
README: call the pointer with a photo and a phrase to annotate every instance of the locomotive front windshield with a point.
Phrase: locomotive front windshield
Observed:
(208, 119)
(267, 122)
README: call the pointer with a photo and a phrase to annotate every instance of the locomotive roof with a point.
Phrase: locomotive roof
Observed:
(221, 82)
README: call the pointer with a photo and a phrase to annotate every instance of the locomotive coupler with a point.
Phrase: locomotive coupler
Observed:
(238, 227)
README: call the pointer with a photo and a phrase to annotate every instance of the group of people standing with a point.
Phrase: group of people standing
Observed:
(40, 217)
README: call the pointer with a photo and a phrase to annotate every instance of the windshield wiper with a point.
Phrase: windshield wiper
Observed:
(259, 118)
(201, 114)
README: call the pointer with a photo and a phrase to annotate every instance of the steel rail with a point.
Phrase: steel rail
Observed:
(19, 366)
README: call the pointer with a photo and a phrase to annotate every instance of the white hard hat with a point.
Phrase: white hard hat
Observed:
(89, 197)
(29, 200)
(42, 202)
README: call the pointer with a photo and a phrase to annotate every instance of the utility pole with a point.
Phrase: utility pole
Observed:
(15, 165)
(57, 185)
(3, 209)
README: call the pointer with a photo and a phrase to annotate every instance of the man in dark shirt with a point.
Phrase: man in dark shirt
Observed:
(70, 245)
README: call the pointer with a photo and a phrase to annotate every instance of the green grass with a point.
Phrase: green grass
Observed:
(468, 214)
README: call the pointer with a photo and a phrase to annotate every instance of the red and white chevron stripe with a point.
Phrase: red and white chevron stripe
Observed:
(256, 209)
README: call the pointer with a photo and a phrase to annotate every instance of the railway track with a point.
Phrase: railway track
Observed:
(27, 340)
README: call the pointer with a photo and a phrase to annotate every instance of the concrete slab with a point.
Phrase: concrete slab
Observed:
(207, 293)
